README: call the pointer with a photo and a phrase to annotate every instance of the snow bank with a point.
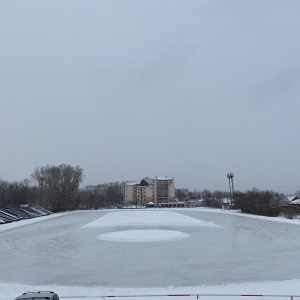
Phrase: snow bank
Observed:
(28, 221)
(9, 291)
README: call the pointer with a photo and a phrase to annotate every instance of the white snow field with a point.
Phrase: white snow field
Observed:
(158, 252)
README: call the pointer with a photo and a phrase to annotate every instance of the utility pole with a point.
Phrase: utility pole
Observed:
(41, 180)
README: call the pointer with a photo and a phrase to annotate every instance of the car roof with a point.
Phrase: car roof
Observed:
(38, 295)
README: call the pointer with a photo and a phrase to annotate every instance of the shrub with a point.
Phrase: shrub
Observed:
(264, 203)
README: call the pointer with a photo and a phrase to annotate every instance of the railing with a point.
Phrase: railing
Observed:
(198, 296)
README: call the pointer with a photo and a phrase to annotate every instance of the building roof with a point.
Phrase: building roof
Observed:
(227, 201)
(160, 178)
(297, 201)
(292, 198)
(145, 180)
(132, 182)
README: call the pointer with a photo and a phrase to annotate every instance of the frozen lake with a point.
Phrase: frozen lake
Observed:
(149, 248)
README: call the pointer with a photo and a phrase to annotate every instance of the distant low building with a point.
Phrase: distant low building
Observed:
(150, 189)
(91, 188)
(95, 188)
(226, 203)
(293, 200)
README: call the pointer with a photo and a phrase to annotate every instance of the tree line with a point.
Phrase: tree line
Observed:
(254, 201)
(57, 188)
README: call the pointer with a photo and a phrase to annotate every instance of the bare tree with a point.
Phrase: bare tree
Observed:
(180, 195)
(15, 193)
(58, 186)
(206, 194)
(266, 203)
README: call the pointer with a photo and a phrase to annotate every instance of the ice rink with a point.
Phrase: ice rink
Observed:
(149, 248)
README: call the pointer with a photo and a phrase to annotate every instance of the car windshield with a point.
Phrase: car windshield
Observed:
(149, 149)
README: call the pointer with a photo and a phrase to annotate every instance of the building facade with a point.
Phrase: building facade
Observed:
(150, 189)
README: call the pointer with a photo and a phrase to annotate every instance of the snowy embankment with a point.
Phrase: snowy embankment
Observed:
(289, 288)
(28, 221)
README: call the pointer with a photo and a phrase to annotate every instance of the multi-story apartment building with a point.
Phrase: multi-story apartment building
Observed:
(150, 189)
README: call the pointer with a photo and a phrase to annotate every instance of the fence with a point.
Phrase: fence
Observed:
(197, 296)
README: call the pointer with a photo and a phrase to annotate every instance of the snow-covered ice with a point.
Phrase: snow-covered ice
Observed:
(148, 217)
(231, 254)
(146, 235)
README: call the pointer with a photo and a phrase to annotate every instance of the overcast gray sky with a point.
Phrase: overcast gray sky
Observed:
(129, 89)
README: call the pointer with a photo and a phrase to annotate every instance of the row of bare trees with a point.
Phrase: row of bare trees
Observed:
(17, 193)
(266, 203)
(256, 202)
(58, 186)
(103, 195)
(57, 189)
(53, 187)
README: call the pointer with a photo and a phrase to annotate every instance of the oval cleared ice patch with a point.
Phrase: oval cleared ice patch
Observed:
(147, 235)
